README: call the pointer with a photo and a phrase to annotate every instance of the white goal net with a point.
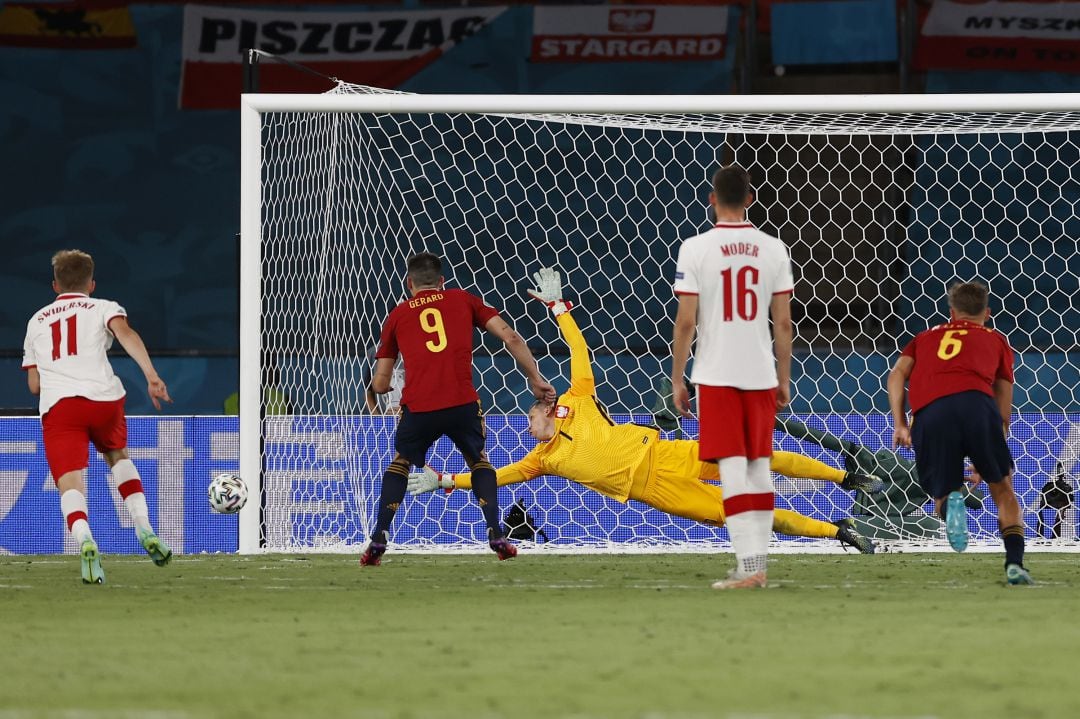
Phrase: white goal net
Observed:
(883, 203)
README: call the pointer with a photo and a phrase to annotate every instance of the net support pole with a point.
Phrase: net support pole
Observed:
(250, 324)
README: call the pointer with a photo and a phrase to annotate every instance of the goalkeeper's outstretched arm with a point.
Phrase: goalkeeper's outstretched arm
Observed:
(428, 480)
(549, 290)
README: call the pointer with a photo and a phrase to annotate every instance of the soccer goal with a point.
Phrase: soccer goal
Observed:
(883, 201)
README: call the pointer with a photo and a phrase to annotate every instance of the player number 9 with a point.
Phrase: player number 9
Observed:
(431, 322)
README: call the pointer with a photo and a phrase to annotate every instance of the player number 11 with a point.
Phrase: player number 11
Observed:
(72, 337)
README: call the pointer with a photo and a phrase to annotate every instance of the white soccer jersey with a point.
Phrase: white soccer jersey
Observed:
(735, 270)
(67, 341)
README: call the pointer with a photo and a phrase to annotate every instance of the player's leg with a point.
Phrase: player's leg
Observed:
(937, 437)
(738, 432)
(469, 434)
(1010, 521)
(391, 493)
(992, 459)
(72, 490)
(109, 435)
(792, 464)
(415, 434)
(125, 478)
(67, 442)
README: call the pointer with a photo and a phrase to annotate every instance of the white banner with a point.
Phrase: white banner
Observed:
(213, 34)
(1044, 21)
(371, 48)
(1008, 36)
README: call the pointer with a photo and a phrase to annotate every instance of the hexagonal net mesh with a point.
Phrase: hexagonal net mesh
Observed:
(880, 212)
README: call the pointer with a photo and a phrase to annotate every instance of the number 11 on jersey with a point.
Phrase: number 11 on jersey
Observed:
(72, 337)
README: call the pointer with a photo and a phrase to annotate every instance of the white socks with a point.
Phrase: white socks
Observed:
(125, 478)
(748, 506)
(73, 505)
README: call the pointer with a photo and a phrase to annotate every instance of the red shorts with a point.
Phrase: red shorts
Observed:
(735, 422)
(72, 423)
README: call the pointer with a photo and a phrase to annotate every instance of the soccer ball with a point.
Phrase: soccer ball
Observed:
(227, 493)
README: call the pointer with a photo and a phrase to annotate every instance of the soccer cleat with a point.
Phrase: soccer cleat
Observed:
(372, 556)
(853, 481)
(503, 548)
(846, 534)
(1015, 574)
(157, 549)
(92, 573)
(738, 580)
(956, 528)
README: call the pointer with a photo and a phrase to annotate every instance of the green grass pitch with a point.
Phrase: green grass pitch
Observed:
(544, 636)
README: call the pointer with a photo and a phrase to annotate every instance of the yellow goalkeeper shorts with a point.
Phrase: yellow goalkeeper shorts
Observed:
(675, 485)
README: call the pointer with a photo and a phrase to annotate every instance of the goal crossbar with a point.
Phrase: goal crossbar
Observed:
(649, 104)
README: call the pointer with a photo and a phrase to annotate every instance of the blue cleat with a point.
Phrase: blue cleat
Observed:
(956, 528)
(159, 551)
(1015, 574)
(92, 573)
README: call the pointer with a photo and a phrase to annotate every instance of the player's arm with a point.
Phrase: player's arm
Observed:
(1003, 386)
(783, 335)
(1003, 395)
(549, 290)
(380, 378)
(29, 363)
(520, 351)
(897, 385)
(582, 381)
(682, 338)
(132, 343)
(429, 480)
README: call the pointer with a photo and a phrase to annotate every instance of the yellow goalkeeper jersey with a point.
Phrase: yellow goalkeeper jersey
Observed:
(588, 447)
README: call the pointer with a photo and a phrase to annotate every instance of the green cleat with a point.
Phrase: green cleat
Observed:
(847, 534)
(157, 549)
(956, 528)
(92, 573)
(1015, 574)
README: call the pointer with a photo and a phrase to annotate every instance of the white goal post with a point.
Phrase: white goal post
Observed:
(884, 200)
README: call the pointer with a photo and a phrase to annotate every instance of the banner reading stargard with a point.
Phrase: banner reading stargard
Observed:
(369, 48)
(1011, 36)
(628, 33)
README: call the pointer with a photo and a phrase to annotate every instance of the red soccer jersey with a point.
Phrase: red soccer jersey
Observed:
(956, 357)
(433, 332)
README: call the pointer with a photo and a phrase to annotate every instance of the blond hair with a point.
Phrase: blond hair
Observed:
(72, 270)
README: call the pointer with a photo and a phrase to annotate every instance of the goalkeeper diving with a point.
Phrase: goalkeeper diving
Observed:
(578, 441)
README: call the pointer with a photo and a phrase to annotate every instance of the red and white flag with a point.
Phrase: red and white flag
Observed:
(370, 48)
(627, 33)
(1041, 36)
